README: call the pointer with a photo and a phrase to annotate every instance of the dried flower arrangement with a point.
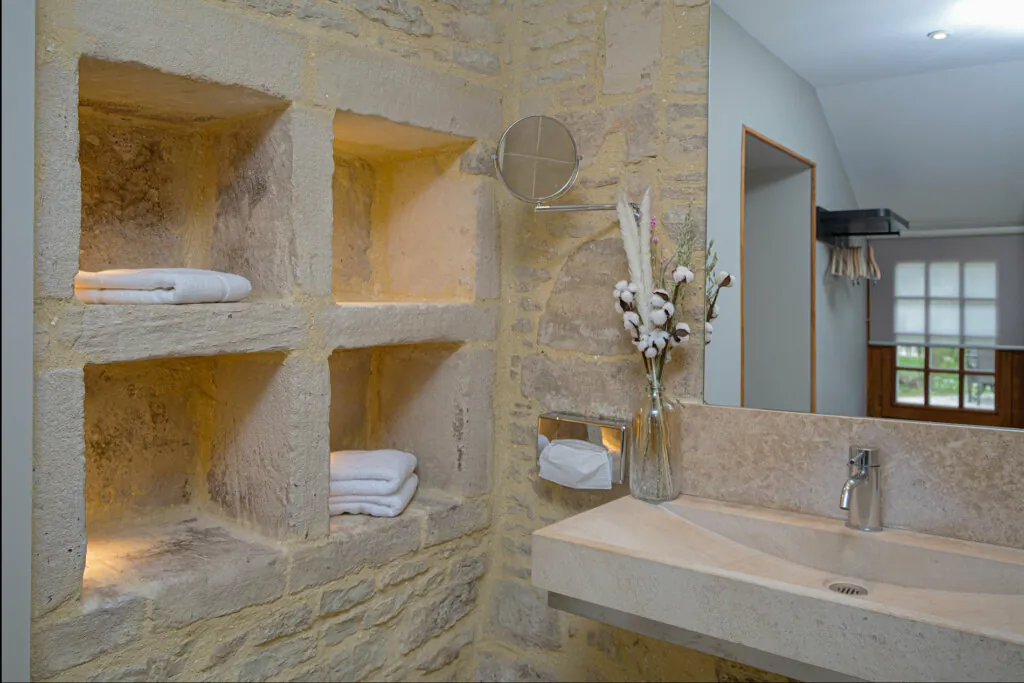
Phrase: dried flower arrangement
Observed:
(716, 280)
(650, 300)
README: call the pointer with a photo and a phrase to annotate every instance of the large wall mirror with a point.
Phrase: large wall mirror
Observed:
(866, 181)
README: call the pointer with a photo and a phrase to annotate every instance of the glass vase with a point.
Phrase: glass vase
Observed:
(650, 465)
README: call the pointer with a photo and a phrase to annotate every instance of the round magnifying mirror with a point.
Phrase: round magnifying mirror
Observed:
(537, 159)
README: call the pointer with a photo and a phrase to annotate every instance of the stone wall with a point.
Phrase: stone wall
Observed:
(630, 81)
(181, 528)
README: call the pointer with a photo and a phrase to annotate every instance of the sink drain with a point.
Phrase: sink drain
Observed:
(847, 588)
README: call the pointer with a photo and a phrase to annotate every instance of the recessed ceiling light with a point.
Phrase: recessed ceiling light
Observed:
(938, 35)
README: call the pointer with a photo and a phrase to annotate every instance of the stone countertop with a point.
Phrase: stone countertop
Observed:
(646, 561)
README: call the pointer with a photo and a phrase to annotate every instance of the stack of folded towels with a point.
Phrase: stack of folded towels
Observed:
(379, 483)
(160, 286)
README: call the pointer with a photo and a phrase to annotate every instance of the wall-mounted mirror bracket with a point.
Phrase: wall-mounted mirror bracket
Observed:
(537, 160)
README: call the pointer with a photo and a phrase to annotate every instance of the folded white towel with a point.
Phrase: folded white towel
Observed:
(370, 473)
(160, 286)
(377, 506)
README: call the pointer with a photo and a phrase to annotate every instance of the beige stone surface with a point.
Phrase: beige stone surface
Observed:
(58, 483)
(209, 427)
(358, 325)
(947, 480)
(113, 334)
(759, 578)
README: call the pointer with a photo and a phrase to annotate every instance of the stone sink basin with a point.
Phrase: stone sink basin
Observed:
(792, 593)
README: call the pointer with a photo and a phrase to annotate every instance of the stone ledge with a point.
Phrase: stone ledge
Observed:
(362, 325)
(112, 334)
(189, 567)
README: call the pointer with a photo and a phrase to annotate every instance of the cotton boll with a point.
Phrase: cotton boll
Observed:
(621, 285)
(669, 309)
(659, 316)
(660, 342)
(708, 331)
(683, 275)
(626, 297)
(714, 312)
(651, 352)
(630, 320)
(632, 288)
(724, 279)
(681, 334)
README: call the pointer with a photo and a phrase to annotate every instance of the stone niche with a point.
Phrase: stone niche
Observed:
(182, 456)
(405, 216)
(433, 400)
(183, 173)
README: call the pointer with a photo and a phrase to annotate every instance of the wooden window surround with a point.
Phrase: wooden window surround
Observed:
(1009, 391)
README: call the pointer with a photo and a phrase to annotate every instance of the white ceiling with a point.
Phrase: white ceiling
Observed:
(832, 42)
(933, 130)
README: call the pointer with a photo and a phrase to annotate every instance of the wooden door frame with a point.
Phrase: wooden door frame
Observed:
(743, 274)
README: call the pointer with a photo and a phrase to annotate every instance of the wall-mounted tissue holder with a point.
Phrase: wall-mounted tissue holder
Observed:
(610, 433)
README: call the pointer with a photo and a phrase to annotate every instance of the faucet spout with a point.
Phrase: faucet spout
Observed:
(851, 483)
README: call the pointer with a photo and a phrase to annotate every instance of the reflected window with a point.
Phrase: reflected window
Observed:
(945, 319)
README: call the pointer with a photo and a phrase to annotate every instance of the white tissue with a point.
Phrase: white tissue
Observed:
(576, 464)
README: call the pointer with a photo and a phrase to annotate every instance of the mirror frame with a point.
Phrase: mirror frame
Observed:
(564, 189)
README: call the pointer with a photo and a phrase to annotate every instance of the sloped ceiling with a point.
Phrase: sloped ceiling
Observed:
(933, 130)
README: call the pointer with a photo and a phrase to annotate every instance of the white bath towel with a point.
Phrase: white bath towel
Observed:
(160, 286)
(370, 473)
(376, 506)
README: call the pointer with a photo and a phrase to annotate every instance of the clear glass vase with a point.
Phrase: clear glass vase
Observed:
(650, 465)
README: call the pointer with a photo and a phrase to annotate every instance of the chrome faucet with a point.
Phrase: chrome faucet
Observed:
(862, 492)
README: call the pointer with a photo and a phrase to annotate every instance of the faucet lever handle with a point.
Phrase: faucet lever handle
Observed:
(863, 457)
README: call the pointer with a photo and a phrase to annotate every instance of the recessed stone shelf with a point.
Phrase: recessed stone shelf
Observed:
(111, 334)
(409, 225)
(432, 400)
(183, 173)
(190, 566)
(217, 436)
(360, 325)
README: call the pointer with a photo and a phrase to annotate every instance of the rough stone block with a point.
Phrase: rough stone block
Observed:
(197, 39)
(477, 59)
(284, 623)
(632, 46)
(272, 660)
(488, 266)
(451, 518)
(580, 384)
(353, 326)
(325, 15)
(439, 655)
(352, 185)
(433, 618)
(340, 629)
(200, 571)
(58, 496)
(354, 543)
(141, 438)
(401, 573)
(61, 645)
(387, 607)
(355, 659)
(312, 168)
(58, 219)
(522, 614)
(270, 444)
(470, 28)
(408, 93)
(583, 284)
(112, 334)
(495, 670)
(452, 438)
(342, 599)
(400, 15)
